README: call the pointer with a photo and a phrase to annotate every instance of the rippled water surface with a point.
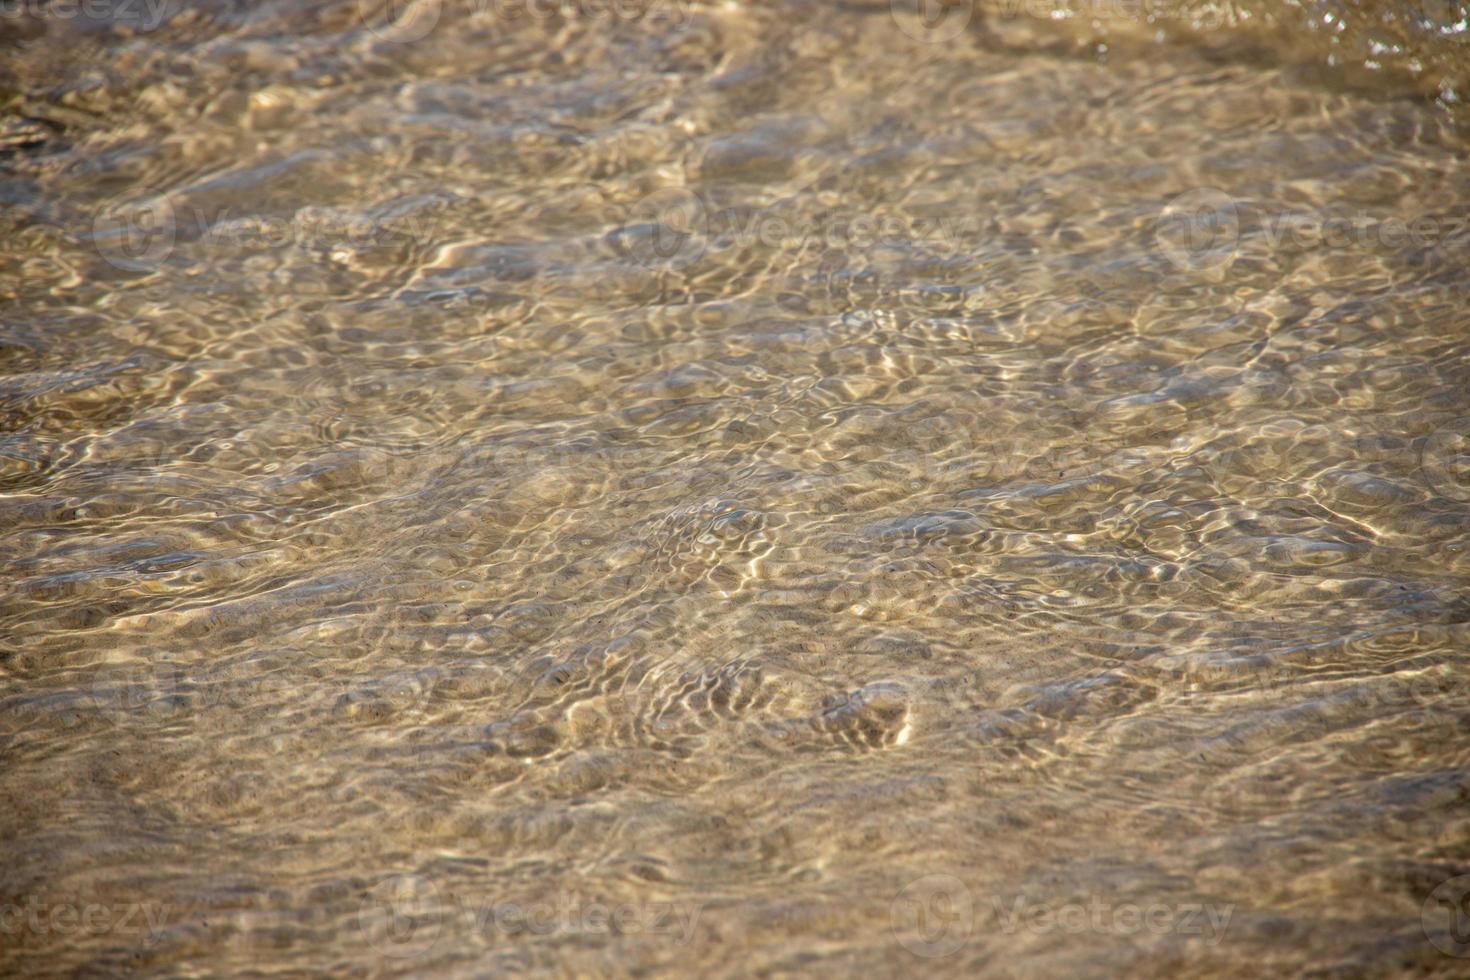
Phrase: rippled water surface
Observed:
(771, 488)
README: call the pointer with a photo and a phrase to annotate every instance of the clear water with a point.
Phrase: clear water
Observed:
(774, 488)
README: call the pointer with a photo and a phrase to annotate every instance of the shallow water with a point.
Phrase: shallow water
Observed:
(773, 488)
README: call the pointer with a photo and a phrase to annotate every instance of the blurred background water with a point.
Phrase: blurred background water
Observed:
(780, 488)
